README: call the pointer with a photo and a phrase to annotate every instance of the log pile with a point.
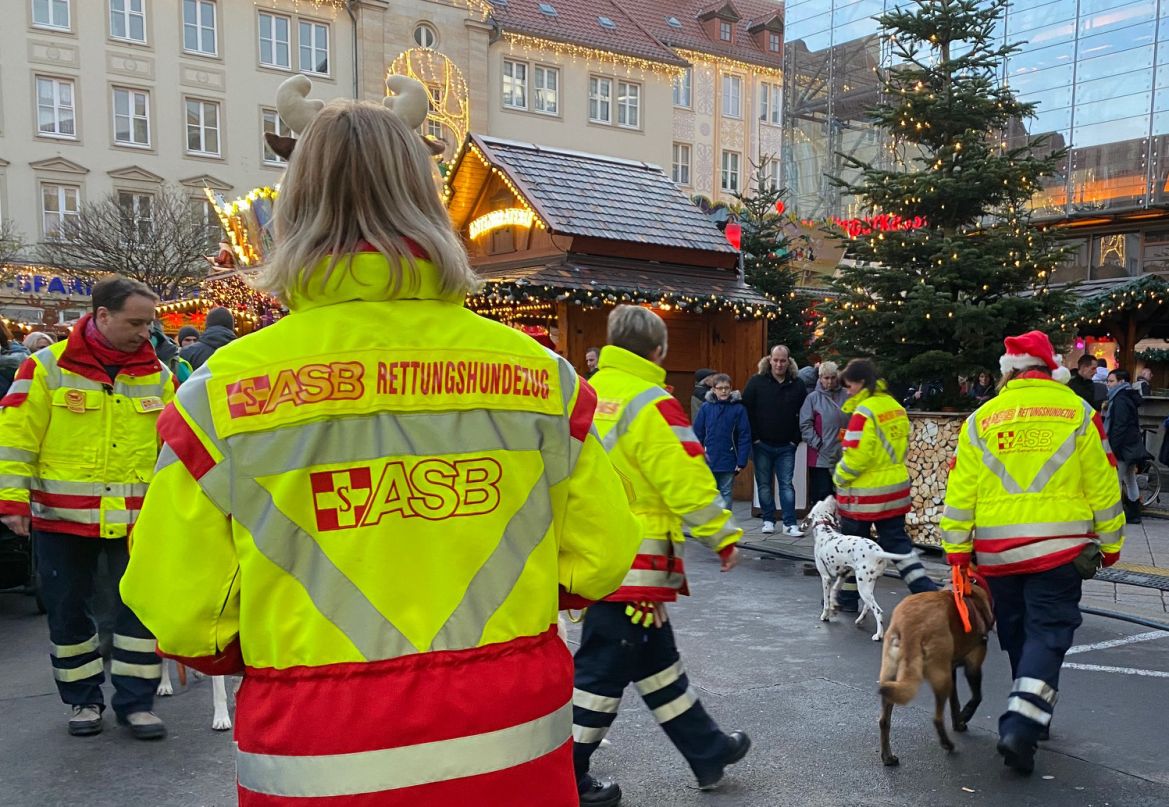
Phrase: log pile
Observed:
(931, 445)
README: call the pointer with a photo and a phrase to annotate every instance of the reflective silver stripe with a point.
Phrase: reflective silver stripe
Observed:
(166, 458)
(595, 703)
(842, 467)
(48, 362)
(888, 446)
(134, 644)
(1108, 513)
(660, 546)
(879, 507)
(651, 578)
(75, 515)
(1056, 461)
(86, 670)
(121, 516)
(1029, 710)
(987, 556)
(706, 514)
(956, 536)
(957, 513)
(9, 454)
(1035, 686)
(881, 491)
(992, 463)
(630, 413)
(916, 574)
(138, 390)
(1110, 537)
(147, 671)
(79, 649)
(1049, 468)
(685, 434)
(115, 489)
(405, 766)
(725, 531)
(678, 706)
(1057, 529)
(905, 564)
(15, 481)
(854, 436)
(20, 387)
(589, 735)
(662, 678)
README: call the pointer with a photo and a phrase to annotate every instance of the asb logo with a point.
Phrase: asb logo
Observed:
(310, 384)
(433, 489)
(1024, 440)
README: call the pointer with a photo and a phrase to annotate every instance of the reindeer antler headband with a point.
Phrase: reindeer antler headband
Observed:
(408, 99)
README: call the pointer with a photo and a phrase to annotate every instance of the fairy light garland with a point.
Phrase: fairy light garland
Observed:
(590, 56)
(508, 294)
(726, 63)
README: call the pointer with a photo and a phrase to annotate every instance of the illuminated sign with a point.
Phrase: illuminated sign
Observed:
(508, 217)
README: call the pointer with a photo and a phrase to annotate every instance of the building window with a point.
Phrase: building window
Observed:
(730, 173)
(770, 96)
(681, 164)
(60, 209)
(203, 212)
(515, 84)
(199, 27)
(628, 104)
(724, 31)
(274, 47)
(425, 35)
(128, 20)
(770, 175)
(202, 127)
(314, 47)
(773, 42)
(433, 126)
(138, 208)
(600, 99)
(55, 111)
(682, 83)
(732, 96)
(274, 124)
(131, 117)
(51, 13)
(546, 90)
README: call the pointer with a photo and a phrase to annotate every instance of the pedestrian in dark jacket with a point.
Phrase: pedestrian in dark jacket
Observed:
(1122, 427)
(982, 390)
(725, 432)
(10, 360)
(220, 330)
(821, 422)
(773, 399)
(702, 383)
(1082, 384)
(188, 335)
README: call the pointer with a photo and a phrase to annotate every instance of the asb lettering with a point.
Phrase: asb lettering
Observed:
(411, 378)
(312, 383)
(1024, 440)
(431, 488)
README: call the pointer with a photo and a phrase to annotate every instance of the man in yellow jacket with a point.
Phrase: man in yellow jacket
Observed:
(627, 638)
(77, 450)
(1032, 498)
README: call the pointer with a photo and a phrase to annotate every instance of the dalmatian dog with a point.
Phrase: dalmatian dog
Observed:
(220, 720)
(837, 553)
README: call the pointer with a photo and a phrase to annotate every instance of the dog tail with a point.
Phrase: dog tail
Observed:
(893, 557)
(904, 665)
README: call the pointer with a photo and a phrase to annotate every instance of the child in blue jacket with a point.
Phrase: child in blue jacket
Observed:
(724, 431)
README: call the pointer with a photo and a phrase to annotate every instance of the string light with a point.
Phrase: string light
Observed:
(589, 55)
(725, 63)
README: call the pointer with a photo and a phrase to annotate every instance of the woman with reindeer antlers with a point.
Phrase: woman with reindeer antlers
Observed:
(369, 507)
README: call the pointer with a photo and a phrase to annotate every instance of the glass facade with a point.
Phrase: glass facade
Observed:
(1099, 70)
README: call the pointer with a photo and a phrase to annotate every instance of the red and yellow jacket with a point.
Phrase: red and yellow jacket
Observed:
(663, 466)
(77, 450)
(871, 480)
(371, 506)
(1033, 482)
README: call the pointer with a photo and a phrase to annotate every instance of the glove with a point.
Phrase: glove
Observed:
(959, 559)
(1111, 558)
(647, 613)
(1088, 562)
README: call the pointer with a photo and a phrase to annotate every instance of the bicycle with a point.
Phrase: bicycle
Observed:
(1149, 473)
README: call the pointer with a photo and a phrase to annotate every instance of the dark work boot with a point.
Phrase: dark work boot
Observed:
(738, 744)
(595, 793)
(1017, 753)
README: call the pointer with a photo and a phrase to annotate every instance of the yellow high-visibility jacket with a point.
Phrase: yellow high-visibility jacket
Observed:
(649, 440)
(1034, 480)
(77, 450)
(383, 493)
(871, 480)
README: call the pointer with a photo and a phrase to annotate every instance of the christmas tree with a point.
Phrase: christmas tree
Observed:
(947, 262)
(768, 251)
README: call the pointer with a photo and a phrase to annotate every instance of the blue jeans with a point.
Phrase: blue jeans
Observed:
(779, 461)
(725, 481)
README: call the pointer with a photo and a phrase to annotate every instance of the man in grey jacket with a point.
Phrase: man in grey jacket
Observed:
(821, 422)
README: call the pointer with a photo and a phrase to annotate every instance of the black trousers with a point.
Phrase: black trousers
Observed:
(614, 653)
(67, 565)
(891, 537)
(820, 485)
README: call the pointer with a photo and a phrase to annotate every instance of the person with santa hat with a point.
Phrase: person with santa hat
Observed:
(1033, 482)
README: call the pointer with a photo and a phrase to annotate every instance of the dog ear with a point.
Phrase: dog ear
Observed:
(283, 146)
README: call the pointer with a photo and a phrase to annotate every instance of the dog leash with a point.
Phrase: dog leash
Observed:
(962, 590)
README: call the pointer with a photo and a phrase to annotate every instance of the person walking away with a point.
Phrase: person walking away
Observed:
(872, 482)
(370, 505)
(822, 422)
(1043, 514)
(725, 433)
(773, 399)
(1122, 426)
(627, 638)
(703, 381)
(1082, 383)
(220, 331)
(78, 446)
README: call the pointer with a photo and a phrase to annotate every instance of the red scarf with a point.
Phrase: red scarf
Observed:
(88, 353)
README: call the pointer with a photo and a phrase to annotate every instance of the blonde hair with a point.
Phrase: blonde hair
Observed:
(828, 368)
(637, 329)
(360, 173)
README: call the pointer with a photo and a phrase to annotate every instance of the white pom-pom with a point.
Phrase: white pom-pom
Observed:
(1061, 374)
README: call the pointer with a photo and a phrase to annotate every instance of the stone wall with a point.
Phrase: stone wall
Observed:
(931, 445)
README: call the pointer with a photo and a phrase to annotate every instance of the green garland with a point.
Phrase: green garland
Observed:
(1098, 307)
(1154, 354)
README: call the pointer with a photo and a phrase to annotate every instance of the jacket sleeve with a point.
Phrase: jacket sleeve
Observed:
(700, 424)
(808, 425)
(860, 448)
(24, 417)
(183, 577)
(743, 438)
(1098, 472)
(957, 521)
(599, 535)
(673, 460)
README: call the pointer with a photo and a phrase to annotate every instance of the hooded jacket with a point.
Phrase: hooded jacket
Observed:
(724, 431)
(821, 422)
(215, 337)
(1122, 423)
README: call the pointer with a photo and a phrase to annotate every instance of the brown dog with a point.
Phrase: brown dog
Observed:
(926, 640)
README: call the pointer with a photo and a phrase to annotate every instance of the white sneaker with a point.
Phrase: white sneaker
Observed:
(768, 527)
(793, 531)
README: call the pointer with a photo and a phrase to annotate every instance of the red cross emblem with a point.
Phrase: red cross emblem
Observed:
(340, 498)
(248, 396)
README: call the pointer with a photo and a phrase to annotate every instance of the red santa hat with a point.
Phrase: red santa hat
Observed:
(1031, 349)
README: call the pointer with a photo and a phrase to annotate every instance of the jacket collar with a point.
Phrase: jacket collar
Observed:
(363, 276)
(77, 357)
(735, 397)
(618, 358)
(856, 400)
